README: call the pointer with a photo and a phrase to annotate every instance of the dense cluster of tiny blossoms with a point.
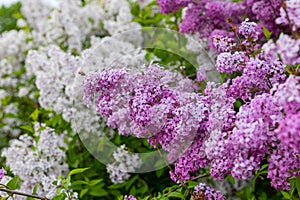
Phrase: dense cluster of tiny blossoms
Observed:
(244, 149)
(254, 74)
(215, 135)
(239, 140)
(206, 16)
(56, 41)
(151, 106)
(69, 23)
(2, 173)
(202, 191)
(289, 14)
(123, 164)
(249, 30)
(129, 197)
(284, 163)
(231, 128)
(288, 96)
(9, 118)
(286, 48)
(168, 6)
(288, 131)
(16, 44)
(38, 160)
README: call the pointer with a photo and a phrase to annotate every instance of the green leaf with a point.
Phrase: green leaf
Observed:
(83, 192)
(231, 179)
(27, 128)
(159, 172)
(116, 186)
(13, 183)
(115, 193)
(35, 189)
(95, 182)
(263, 167)
(34, 116)
(133, 190)
(59, 197)
(223, 77)
(80, 182)
(285, 195)
(130, 182)
(267, 33)
(98, 192)
(77, 171)
(164, 198)
(8, 20)
(143, 189)
(298, 184)
(262, 196)
(176, 195)
(192, 184)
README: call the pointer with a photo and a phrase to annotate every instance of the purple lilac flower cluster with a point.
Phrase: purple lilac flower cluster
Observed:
(207, 130)
(156, 103)
(212, 19)
(249, 30)
(264, 11)
(288, 96)
(206, 16)
(129, 197)
(286, 47)
(168, 6)
(202, 191)
(249, 141)
(221, 42)
(2, 173)
(289, 14)
(258, 76)
(207, 126)
(288, 131)
(283, 164)
(255, 73)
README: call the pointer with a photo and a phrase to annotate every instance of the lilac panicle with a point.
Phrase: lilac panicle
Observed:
(2, 173)
(202, 191)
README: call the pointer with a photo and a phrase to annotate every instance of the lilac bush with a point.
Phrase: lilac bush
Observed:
(77, 67)
(263, 128)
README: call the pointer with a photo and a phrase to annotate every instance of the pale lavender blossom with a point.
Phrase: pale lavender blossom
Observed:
(205, 192)
(2, 173)
(290, 14)
(123, 164)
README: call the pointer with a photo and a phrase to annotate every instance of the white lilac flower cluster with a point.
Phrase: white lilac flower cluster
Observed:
(14, 45)
(124, 163)
(37, 160)
(9, 119)
(57, 72)
(5, 179)
(69, 24)
(12, 80)
(205, 57)
(56, 42)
